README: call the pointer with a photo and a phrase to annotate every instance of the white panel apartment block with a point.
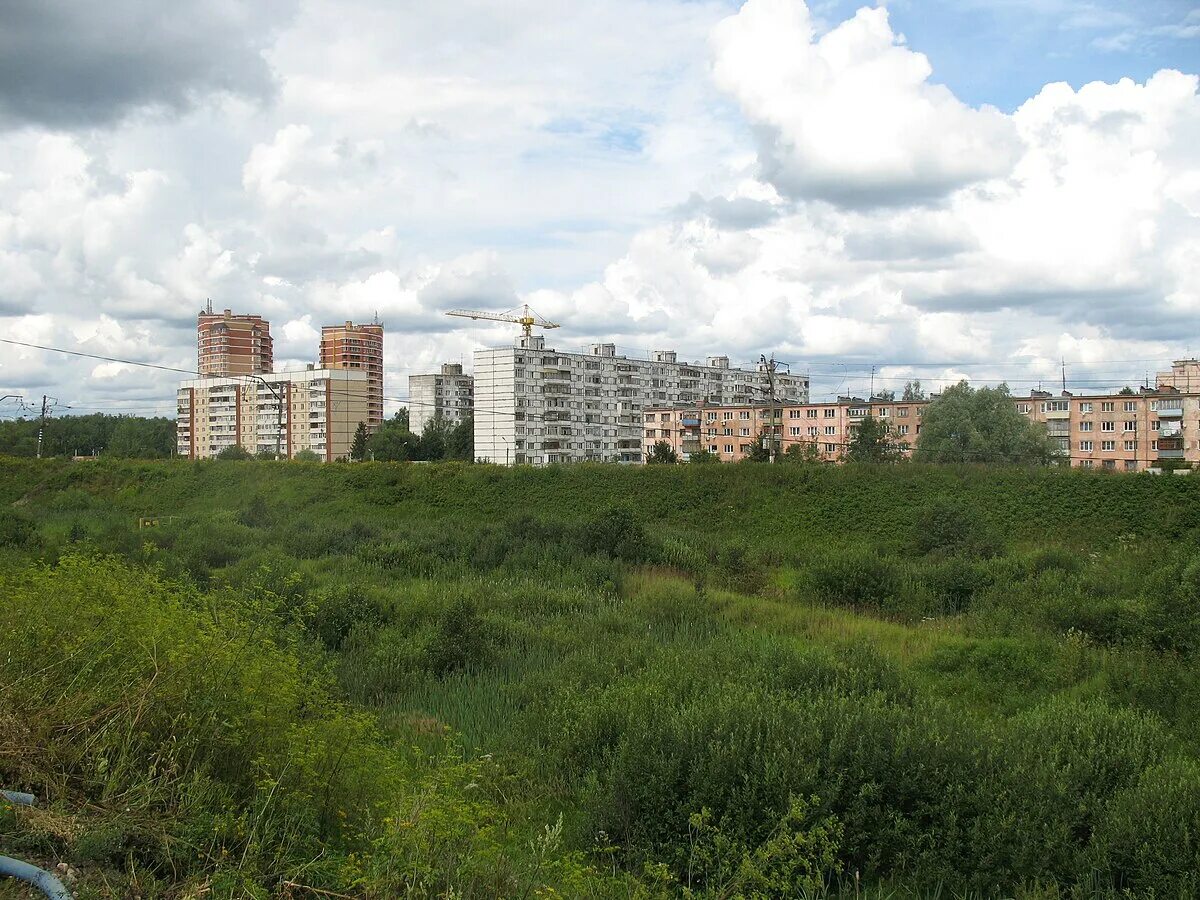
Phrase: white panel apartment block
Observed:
(448, 395)
(542, 406)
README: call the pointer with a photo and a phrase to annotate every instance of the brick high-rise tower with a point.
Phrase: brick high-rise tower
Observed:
(353, 346)
(229, 345)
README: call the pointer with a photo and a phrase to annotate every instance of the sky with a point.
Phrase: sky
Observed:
(928, 189)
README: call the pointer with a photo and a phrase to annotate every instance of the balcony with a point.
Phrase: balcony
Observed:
(1172, 409)
(1170, 429)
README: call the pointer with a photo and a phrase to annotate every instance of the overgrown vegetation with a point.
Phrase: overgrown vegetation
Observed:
(718, 681)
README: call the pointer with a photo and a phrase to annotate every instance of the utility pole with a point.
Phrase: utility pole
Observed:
(42, 426)
(769, 366)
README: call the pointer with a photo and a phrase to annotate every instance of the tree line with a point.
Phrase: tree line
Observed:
(97, 434)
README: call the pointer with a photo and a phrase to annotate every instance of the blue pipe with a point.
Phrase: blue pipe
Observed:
(44, 881)
(39, 878)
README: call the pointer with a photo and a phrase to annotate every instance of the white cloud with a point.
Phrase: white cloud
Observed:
(851, 116)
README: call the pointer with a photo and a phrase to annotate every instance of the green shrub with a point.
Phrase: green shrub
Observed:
(16, 530)
(950, 526)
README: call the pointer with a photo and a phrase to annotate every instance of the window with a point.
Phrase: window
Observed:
(1130, 425)
(727, 415)
(902, 429)
(1085, 426)
(831, 448)
(712, 448)
(1107, 406)
(831, 429)
(902, 412)
(1085, 446)
(812, 431)
(1023, 407)
(729, 448)
(1154, 446)
(793, 413)
(1131, 445)
(1130, 406)
(794, 432)
(810, 413)
(830, 413)
(1110, 464)
(860, 411)
(1056, 406)
(744, 414)
(1085, 407)
(1108, 426)
(744, 432)
(1087, 463)
(650, 417)
(727, 431)
(1108, 445)
(1131, 465)
(1154, 424)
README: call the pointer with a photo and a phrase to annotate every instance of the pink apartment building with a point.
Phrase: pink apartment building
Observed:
(1123, 432)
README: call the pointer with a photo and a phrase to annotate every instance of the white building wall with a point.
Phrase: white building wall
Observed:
(541, 406)
(448, 395)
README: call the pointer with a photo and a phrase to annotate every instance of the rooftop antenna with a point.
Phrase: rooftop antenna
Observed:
(209, 305)
(1064, 373)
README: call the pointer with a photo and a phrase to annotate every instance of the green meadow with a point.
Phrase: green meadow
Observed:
(449, 680)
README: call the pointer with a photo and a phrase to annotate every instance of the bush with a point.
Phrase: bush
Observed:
(948, 526)
(340, 611)
(616, 533)
(858, 579)
(16, 530)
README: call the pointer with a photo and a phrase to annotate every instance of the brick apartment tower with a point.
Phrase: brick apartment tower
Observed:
(228, 345)
(353, 346)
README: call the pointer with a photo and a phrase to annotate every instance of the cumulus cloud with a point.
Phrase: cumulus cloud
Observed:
(851, 116)
(663, 175)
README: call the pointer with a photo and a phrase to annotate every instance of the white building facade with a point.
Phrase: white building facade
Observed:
(448, 395)
(543, 406)
(314, 409)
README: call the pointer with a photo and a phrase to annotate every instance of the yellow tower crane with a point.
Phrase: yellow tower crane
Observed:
(523, 316)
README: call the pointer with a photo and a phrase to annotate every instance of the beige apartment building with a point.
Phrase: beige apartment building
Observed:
(1123, 432)
(285, 412)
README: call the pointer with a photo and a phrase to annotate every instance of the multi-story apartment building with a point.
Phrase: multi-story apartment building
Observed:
(731, 432)
(284, 412)
(351, 346)
(448, 395)
(1184, 376)
(228, 344)
(539, 405)
(1150, 429)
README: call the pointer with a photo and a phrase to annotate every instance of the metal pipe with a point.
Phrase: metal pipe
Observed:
(44, 881)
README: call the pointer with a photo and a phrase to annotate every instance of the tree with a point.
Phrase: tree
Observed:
(460, 441)
(760, 451)
(1126, 391)
(358, 447)
(872, 443)
(393, 442)
(965, 425)
(307, 456)
(435, 437)
(235, 451)
(662, 452)
(802, 452)
(913, 391)
(885, 396)
(703, 457)
(401, 418)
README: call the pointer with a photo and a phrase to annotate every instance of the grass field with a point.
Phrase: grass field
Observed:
(451, 680)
